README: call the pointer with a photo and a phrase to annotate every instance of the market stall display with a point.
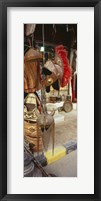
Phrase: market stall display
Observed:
(49, 78)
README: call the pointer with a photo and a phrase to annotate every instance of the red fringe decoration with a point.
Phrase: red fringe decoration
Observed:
(63, 54)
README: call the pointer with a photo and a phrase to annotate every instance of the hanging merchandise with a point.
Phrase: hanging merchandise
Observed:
(30, 28)
(53, 73)
(32, 78)
(29, 41)
(45, 121)
(57, 72)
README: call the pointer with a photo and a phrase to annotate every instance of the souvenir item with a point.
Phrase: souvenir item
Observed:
(30, 122)
(53, 73)
(32, 78)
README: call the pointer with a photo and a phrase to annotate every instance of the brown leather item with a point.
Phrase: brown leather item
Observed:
(32, 78)
(32, 81)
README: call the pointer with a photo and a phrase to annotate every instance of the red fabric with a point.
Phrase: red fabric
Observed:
(63, 54)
